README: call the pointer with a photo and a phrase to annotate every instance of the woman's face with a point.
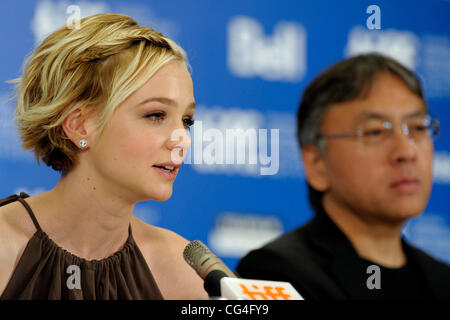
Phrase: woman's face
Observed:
(146, 132)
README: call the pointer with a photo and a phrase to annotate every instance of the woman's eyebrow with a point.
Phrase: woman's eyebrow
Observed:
(164, 100)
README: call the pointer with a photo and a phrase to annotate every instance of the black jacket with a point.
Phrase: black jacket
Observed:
(321, 263)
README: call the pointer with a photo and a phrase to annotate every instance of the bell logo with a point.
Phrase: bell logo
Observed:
(280, 57)
(400, 45)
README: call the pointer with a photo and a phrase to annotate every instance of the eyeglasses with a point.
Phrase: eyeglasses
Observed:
(376, 130)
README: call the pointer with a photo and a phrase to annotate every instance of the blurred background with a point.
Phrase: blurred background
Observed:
(251, 61)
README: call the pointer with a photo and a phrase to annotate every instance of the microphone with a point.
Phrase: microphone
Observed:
(207, 265)
(219, 281)
(199, 257)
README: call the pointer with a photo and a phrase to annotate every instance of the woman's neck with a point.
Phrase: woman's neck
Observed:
(84, 217)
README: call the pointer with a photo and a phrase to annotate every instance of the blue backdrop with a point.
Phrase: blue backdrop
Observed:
(250, 62)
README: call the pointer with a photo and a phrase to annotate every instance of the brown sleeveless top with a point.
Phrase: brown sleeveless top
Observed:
(47, 271)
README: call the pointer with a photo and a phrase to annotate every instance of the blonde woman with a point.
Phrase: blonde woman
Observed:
(108, 105)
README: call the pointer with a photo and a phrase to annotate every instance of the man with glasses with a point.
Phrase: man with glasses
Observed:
(366, 138)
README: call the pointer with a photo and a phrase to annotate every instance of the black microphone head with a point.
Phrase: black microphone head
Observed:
(212, 283)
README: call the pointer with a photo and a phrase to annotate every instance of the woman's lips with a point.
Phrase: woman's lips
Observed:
(170, 175)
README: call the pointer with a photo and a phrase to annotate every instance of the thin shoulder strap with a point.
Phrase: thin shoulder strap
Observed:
(21, 198)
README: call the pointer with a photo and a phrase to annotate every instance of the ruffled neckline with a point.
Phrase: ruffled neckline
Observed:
(116, 257)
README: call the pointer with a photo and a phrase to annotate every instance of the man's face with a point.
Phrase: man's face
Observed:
(390, 180)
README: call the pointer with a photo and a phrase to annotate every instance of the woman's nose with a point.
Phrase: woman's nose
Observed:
(178, 143)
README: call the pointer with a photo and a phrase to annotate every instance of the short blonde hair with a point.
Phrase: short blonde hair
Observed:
(96, 66)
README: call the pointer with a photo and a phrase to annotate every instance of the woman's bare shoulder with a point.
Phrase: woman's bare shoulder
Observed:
(14, 235)
(163, 251)
(15, 217)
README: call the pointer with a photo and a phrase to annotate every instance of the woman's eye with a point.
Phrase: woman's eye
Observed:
(188, 122)
(156, 116)
(160, 116)
(419, 128)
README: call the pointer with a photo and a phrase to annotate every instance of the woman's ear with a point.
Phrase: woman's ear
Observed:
(78, 126)
(315, 168)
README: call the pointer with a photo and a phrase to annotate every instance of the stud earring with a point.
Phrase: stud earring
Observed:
(83, 143)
